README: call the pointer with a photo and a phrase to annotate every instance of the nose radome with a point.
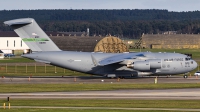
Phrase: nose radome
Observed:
(195, 64)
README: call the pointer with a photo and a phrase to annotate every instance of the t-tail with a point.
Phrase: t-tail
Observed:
(34, 37)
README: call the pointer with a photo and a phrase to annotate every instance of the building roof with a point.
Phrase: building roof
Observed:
(49, 33)
(8, 34)
(170, 40)
(90, 44)
(70, 43)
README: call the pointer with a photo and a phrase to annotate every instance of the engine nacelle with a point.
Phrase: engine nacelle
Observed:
(145, 65)
(155, 63)
(141, 65)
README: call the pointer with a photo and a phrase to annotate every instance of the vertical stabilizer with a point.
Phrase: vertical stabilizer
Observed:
(30, 32)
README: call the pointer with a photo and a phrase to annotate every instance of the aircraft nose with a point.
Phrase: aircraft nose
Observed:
(195, 64)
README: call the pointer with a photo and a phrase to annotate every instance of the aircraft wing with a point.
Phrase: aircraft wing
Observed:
(118, 58)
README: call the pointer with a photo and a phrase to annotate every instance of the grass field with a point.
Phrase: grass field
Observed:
(18, 70)
(33, 69)
(16, 60)
(107, 103)
(76, 110)
(182, 104)
(26, 88)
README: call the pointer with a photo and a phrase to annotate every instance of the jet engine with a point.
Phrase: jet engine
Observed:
(145, 65)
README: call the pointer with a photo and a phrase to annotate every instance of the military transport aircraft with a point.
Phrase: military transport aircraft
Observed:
(105, 64)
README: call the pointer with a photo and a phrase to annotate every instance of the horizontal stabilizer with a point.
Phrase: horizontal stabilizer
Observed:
(24, 21)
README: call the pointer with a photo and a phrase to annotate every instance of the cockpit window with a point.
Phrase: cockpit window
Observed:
(187, 59)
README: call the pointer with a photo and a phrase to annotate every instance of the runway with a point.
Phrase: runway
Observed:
(175, 94)
(96, 79)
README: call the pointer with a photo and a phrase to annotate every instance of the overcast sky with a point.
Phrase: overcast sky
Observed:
(171, 5)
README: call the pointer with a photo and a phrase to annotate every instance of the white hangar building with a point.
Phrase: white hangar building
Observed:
(10, 42)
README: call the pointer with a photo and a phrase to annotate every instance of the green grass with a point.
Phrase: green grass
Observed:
(27, 88)
(122, 103)
(103, 103)
(75, 110)
(16, 60)
(38, 71)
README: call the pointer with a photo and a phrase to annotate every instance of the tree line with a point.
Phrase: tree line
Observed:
(122, 23)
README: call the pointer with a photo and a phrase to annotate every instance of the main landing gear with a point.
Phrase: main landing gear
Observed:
(185, 76)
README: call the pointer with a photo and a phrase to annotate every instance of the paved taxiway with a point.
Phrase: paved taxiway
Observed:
(186, 94)
(95, 79)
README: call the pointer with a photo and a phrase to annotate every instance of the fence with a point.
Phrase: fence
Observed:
(31, 68)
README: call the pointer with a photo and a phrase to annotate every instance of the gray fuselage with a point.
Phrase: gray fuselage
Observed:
(170, 63)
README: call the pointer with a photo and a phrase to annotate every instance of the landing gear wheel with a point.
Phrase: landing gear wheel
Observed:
(185, 76)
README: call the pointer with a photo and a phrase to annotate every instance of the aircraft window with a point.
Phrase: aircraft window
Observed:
(187, 59)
